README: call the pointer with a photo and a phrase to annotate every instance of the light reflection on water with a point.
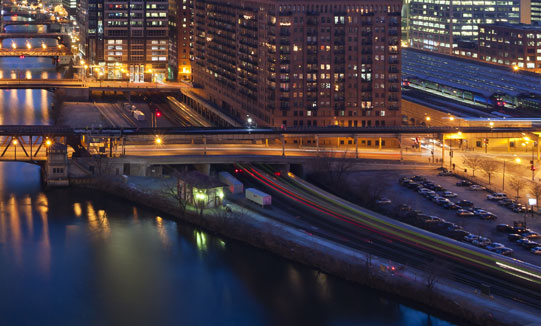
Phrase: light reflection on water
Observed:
(75, 257)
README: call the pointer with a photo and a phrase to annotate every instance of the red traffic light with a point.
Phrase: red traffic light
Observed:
(158, 113)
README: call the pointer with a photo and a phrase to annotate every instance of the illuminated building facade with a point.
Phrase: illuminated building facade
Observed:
(441, 25)
(180, 24)
(514, 45)
(126, 40)
(300, 63)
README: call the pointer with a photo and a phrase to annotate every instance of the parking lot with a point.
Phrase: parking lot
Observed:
(400, 194)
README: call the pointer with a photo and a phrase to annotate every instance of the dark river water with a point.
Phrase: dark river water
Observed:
(76, 257)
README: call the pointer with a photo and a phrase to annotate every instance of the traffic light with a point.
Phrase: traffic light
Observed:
(158, 113)
(485, 140)
(532, 167)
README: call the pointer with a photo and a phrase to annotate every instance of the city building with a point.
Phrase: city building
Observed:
(535, 11)
(70, 6)
(180, 24)
(442, 25)
(125, 39)
(300, 63)
(513, 45)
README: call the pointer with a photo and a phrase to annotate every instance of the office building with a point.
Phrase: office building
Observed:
(535, 11)
(517, 46)
(300, 63)
(441, 25)
(126, 39)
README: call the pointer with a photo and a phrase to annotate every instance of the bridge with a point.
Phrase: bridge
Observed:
(58, 36)
(53, 52)
(115, 86)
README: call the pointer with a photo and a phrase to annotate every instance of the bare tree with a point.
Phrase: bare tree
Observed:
(535, 189)
(517, 184)
(181, 198)
(473, 162)
(332, 168)
(489, 167)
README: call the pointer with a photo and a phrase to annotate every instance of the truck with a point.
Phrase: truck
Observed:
(234, 185)
(258, 197)
(138, 115)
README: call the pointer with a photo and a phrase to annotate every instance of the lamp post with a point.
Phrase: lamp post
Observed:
(15, 147)
(517, 160)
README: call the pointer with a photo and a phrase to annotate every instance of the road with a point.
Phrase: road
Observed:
(359, 228)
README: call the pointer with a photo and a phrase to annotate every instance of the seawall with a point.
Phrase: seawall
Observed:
(469, 307)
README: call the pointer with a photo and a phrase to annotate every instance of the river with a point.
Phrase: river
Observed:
(76, 257)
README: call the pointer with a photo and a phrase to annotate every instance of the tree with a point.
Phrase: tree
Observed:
(489, 167)
(473, 162)
(535, 189)
(517, 184)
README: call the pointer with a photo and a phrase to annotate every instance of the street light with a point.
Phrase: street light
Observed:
(517, 160)
(158, 140)
(15, 147)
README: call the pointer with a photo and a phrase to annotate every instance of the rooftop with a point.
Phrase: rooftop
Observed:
(524, 27)
(468, 75)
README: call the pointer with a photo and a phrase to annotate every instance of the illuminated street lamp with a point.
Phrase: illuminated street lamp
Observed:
(515, 68)
(158, 140)
(13, 45)
(15, 147)
(517, 161)
(28, 45)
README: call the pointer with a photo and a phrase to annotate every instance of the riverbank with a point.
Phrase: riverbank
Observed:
(297, 245)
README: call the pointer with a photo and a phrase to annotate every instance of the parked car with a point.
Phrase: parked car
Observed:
(451, 205)
(418, 178)
(496, 196)
(481, 242)
(383, 201)
(477, 187)
(464, 213)
(449, 194)
(494, 245)
(471, 237)
(441, 201)
(505, 228)
(464, 203)
(463, 183)
(520, 230)
(517, 208)
(445, 173)
(503, 251)
(506, 202)
(439, 188)
(529, 244)
(514, 237)
(536, 250)
(488, 216)
(531, 235)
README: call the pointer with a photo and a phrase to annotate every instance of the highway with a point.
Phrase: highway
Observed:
(357, 227)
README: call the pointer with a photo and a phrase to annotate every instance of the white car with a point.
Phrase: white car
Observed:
(449, 194)
(383, 201)
(497, 196)
(477, 187)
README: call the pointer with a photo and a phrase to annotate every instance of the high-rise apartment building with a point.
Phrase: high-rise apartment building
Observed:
(180, 24)
(300, 63)
(441, 25)
(126, 39)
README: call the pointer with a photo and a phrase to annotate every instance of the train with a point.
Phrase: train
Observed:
(497, 101)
